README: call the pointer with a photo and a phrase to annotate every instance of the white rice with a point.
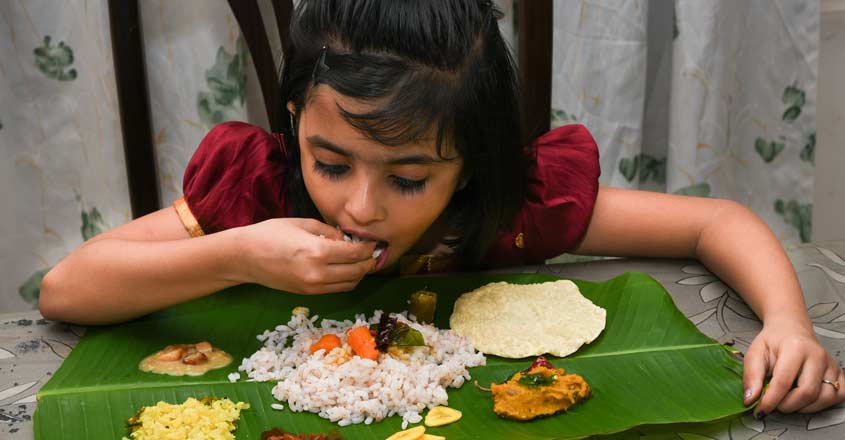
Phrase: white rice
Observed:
(359, 390)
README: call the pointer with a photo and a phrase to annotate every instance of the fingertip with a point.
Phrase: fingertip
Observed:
(334, 233)
(752, 385)
(748, 396)
(319, 228)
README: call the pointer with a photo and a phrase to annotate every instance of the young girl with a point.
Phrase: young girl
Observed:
(404, 136)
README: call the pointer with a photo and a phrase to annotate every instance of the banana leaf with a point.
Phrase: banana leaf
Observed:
(649, 366)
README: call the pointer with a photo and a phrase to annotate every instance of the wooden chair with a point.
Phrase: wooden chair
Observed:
(248, 15)
(134, 103)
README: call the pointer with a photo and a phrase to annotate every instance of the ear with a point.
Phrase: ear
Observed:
(291, 107)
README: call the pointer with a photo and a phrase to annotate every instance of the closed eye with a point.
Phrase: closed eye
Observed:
(402, 184)
(329, 170)
(408, 186)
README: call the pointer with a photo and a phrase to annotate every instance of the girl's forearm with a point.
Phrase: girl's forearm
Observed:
(113, 280)
(742, 251)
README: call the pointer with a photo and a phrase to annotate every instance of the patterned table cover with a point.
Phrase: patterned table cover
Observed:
(31, 348)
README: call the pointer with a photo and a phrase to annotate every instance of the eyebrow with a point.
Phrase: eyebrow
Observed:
(414, 159)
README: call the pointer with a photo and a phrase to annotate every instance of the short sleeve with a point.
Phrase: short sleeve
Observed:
(235, 178)
(562, 189)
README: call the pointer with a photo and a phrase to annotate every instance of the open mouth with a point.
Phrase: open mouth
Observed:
(380, 252)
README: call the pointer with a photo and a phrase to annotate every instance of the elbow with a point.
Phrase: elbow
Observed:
(726, 218)
(730, 211)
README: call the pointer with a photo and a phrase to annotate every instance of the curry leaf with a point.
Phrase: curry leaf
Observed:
(536, 379)
(405, 336)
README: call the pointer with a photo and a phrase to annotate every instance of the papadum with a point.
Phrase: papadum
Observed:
(521, 320)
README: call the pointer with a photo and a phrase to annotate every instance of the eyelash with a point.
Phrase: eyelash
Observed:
(403, 185)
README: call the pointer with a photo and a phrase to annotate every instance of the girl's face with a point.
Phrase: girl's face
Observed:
(388, 194)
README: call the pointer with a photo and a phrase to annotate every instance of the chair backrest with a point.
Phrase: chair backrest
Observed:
(134, 103)
(535, 64)
(248, 15)
(535, 57)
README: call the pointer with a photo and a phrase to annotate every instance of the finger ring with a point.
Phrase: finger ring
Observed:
(833, 383)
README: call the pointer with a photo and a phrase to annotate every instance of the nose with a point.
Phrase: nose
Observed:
(363, 204)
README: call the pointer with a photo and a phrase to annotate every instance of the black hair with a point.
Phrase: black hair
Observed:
(427, 65)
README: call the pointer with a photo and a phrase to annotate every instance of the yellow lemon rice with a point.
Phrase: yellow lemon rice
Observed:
(209, 418)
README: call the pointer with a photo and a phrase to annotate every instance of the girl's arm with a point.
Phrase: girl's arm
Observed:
(741, 250)
(151, 263)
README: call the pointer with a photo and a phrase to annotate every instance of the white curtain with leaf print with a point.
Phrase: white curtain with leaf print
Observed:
(58, 122)
(702, 97)
(699, 97)
(62, 165)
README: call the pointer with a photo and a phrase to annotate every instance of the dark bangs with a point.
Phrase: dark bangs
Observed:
(411, 101)
(427, 67)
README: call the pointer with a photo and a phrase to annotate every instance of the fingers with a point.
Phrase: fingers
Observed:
(754, 372)
(341, 287)
(333, 277)
(341, 252)
(785, 371)
(338, 278)
(349, 272)
(809, 386)
(345, 286)
(828, 394)
(335, 250)
(318, 228)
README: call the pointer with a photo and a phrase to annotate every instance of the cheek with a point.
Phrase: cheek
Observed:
(320, 192)
(411, 218)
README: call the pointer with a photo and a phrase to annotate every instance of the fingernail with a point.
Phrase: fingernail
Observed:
(747, 393)
(760, 415)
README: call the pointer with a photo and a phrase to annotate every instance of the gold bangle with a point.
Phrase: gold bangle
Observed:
(187, 217)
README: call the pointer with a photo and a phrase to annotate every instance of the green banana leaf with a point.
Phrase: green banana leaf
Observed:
(649, 366)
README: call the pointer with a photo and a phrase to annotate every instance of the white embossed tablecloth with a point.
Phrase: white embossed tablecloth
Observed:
(31, 349)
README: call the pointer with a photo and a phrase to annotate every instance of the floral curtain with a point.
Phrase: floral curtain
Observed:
(710, 98)
(61, 150)
(58, 110)
(698, 97)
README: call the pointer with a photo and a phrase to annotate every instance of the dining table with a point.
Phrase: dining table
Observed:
(32, 348)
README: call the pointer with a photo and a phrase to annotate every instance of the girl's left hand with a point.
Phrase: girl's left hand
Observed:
(791, 354)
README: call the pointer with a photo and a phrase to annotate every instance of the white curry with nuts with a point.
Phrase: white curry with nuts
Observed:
(185, 360)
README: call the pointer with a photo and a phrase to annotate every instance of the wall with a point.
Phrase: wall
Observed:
(829, 195)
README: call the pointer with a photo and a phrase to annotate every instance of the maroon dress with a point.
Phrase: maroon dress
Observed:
(237, 177)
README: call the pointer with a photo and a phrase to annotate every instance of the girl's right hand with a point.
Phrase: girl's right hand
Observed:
(302, 255)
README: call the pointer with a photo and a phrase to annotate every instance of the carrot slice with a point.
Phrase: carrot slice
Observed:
(328, 342)
(362, 342)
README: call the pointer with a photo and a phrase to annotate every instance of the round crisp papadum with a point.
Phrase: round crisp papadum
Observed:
(521, 320)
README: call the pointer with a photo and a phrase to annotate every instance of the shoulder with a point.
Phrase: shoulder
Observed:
(236, 177)
(230, 140)
(565, 168)
(569, 148)
(563, 181)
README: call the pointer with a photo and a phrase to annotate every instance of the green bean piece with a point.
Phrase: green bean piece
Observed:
(423, 305)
